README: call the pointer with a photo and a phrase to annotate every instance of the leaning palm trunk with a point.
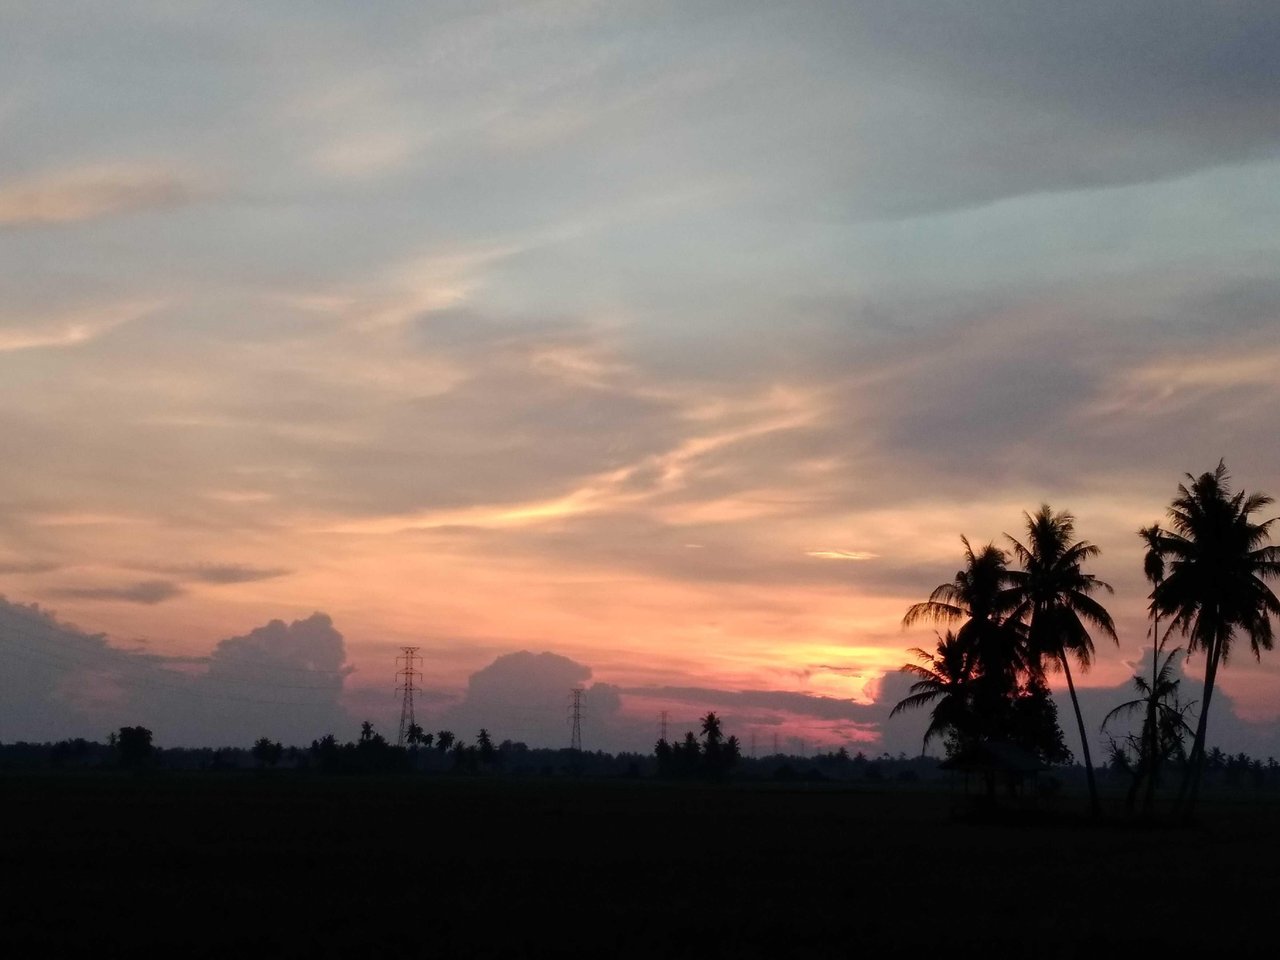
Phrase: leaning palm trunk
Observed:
(1190, 789)
(1094, 806)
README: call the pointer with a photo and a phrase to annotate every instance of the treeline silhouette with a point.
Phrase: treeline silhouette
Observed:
(131, 750)
(714, 756)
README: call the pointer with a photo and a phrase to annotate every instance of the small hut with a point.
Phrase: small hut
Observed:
(999, 762)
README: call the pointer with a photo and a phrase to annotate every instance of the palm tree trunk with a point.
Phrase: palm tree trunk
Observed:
(1195, 764)
(1094, 806)
(1144, 778)
(1153, 716)
(1151, 747)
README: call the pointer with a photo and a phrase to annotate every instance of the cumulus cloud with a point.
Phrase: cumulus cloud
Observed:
(525, 696)
(285, 680)
(280, 680)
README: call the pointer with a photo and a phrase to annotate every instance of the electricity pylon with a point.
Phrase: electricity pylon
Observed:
(406, 676)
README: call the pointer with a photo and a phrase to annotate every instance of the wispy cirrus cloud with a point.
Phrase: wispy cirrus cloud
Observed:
(88, 193)
(23, 567)
(72, 329)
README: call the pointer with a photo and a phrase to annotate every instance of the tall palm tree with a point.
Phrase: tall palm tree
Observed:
(1051, 595)
(977, 596)
(1218, 560)
(942, 679)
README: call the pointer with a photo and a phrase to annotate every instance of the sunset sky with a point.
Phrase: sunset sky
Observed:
(679, 341)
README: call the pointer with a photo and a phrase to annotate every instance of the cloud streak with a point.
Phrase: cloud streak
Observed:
(89, 194)
(223, 573)
(72, 329)
(146, 592)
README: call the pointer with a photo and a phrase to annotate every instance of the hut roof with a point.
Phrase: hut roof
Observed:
(997, 756)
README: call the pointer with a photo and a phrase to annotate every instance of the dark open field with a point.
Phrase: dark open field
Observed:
(215, 864)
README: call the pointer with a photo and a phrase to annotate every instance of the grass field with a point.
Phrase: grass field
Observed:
(292, 865)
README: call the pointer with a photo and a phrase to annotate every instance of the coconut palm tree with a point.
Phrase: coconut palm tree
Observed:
(1052, 596)
(712, 729)
(977, 597)
(1164, 723)
(944, 680)
(1218, 561)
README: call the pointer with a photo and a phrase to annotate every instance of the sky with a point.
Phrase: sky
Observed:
(664, 349)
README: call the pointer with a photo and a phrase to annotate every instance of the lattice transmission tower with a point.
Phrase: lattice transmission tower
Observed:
(575, 716)
(406, 676)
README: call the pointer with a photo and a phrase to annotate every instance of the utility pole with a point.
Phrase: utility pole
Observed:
(406, 676)
(575, 714)
(775, 743)
(753, 743)
(662, 726)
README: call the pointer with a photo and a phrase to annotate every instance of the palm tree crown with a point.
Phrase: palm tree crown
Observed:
(942, 679)
(1218, 564)
(977, 595)
(1052, 593)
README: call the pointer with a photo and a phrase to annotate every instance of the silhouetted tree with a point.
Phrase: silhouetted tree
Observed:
(943, 680)
(1219, 560)
(994, 647)
(688, 755)
(664, 754)
(1051, 595)
(1033, 723)
(1164, 729)
(134, 745)
(267, 754)
(370, 754)
(485, 746)
(712, 735)
(465, 758)
(444, 740)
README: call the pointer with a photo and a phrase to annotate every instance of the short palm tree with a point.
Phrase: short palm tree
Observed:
(712, 729)
(943, 679)
(1164, 724)
(1052, 595)
(1219, 561)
